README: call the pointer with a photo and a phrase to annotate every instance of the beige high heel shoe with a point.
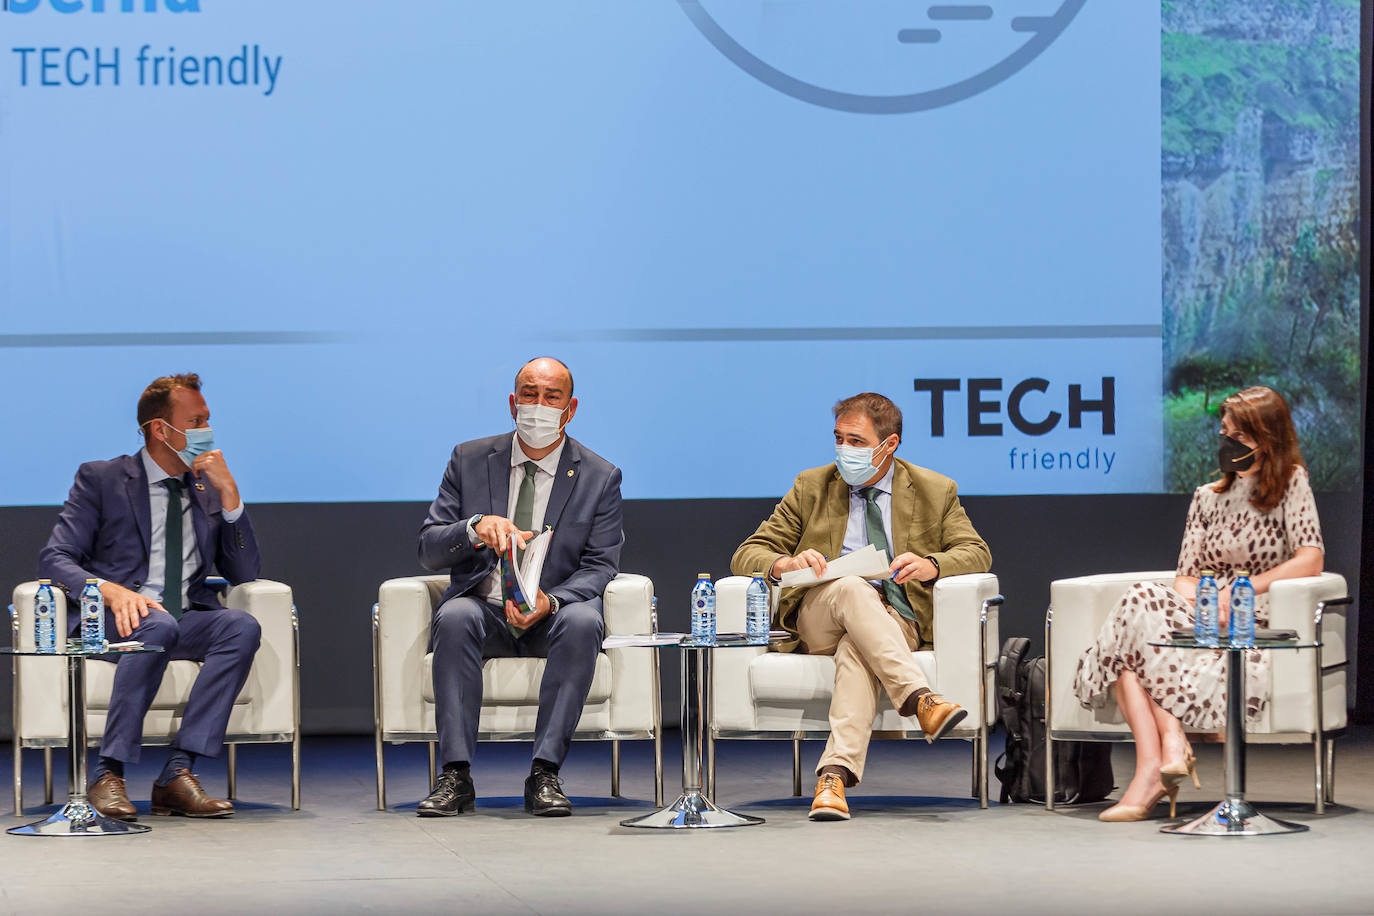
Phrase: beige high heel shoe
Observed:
(1172, 774)
(1123, 813)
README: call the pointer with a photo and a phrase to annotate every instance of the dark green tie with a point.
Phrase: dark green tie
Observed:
(524, 518)
(524, 501)
(873, 522)
(171, 580)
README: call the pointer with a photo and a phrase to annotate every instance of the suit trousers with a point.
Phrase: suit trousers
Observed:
(872, 645)
(468, 630)
(224, 640)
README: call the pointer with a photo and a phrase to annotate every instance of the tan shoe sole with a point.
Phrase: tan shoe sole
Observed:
(951, 720)
(828, 814)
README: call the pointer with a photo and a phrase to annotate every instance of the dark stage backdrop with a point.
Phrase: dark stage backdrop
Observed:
(334, 555)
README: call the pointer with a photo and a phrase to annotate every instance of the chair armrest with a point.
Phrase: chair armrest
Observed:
(37, 680)
(1078, 608)
(627, 605)
(276, 667)
(732, 697)
(401, 623)
(958, 604)
(1293, 605)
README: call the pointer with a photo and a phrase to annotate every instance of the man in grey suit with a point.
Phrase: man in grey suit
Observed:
(508, 487)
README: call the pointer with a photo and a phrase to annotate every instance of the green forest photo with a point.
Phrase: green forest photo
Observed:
(1260, 170)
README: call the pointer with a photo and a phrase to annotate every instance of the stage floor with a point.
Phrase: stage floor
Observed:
(917, 843)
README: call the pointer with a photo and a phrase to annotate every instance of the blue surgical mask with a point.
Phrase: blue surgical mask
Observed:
(855, 464)
(199, 440)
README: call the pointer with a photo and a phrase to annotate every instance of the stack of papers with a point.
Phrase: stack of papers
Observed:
(867, 563)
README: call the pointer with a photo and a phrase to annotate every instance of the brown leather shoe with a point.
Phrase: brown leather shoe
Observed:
(829, 804)
(108, 796)
(937, 715)
(184, 796)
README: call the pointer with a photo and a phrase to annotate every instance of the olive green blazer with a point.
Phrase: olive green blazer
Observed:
(927, 520)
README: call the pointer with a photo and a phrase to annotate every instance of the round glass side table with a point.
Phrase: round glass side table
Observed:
(693, 809)
(77, 817)
(1234, 816)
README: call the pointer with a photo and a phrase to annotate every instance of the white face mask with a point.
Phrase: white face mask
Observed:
(538, 426)
(856, 464)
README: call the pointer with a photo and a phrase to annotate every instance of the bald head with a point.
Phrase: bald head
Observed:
(545, 372)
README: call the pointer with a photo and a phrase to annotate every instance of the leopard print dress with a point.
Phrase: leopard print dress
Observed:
(1224, 533)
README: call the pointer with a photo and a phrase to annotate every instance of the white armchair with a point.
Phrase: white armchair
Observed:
(1299, 712)
(623, 703)
(757, 694)
(266, 711)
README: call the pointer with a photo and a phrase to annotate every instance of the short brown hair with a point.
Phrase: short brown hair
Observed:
(1262, 414)
(156, 401)
(886, 416)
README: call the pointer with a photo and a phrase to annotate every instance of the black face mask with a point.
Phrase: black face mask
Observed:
(1234, 456)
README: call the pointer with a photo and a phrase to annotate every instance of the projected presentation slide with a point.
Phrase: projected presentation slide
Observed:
(356, 219)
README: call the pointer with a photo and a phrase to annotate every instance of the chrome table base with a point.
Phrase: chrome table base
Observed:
(693, 809)
(77, 818)
(1234, 817)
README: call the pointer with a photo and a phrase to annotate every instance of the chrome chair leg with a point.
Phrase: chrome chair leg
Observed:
(232, 766)
(296, 770)
(381, 771)
(1330, 771)
(433, 767)
(1319, 774)
(47, 776)
(658, 767)
(615, 768)
(18, 776)
(796, 767)
(709, 790)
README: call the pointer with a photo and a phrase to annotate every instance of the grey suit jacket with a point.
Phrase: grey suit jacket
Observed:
(584, 512)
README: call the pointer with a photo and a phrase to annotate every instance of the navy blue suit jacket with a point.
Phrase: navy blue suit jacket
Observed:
(583, 510)
(104, 528)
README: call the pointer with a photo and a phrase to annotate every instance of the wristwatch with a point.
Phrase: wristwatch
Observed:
(472, 530)
(553, 604)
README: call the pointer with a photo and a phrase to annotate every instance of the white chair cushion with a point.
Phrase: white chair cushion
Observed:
(515, 681)
(172, 693)
(782, 678)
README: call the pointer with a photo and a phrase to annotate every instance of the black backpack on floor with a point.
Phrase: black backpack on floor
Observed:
(1082, 769)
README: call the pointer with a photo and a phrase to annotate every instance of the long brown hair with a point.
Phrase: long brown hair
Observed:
(1262, 413)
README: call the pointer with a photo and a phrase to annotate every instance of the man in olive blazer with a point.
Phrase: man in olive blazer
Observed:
(868, 496)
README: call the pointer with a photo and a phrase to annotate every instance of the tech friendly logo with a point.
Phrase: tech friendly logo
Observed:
(881, 57)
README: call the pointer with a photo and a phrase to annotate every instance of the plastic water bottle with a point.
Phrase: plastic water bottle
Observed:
(45, 618)
(1242, 610)
(92, 617)
(756, 617)
(1205, 626)
(704, 611)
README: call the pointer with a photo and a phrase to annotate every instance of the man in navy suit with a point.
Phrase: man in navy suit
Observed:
(494, 490)
(149, 528)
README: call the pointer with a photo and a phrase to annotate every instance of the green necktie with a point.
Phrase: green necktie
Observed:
(524, 518)
(524, 502)
(171, 580)
(873, 522)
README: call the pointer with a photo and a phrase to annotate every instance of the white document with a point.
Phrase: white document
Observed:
(642, 640)
(520, 578)
(866, 563)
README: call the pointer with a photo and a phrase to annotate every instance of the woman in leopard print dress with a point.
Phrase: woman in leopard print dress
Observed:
(1260, 516)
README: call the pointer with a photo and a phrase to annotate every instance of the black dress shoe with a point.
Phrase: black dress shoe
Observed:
(452, 794)
(544, 796)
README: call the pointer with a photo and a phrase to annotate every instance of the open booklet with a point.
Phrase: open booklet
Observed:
(867, 563)
(520, 574)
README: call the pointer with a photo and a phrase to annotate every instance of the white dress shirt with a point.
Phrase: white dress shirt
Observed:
(490, 589)
(856, 529)
(158, 499)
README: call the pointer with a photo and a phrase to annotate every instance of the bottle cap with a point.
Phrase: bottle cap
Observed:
(1208, 572)
(1243, 572)
(45, 582)
(758, 574)
(703, 575)
(92, 581)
